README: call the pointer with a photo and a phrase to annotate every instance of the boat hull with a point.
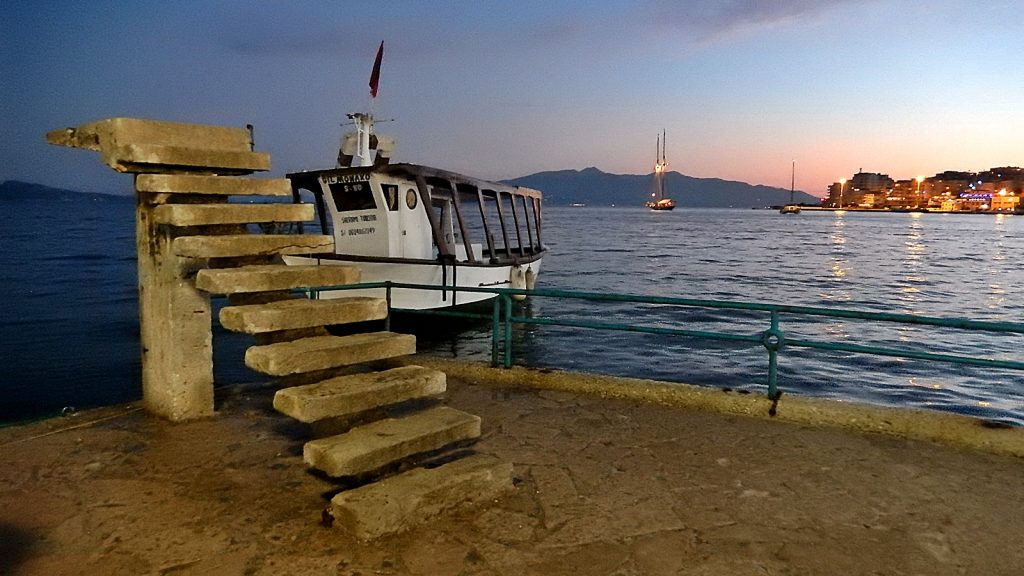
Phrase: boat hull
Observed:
(430, 273)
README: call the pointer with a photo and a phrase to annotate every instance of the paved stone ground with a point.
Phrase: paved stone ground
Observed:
(605, 486)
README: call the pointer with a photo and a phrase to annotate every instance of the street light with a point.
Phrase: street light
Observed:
(842, 183)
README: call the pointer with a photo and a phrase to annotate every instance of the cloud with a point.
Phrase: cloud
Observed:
(709, 20)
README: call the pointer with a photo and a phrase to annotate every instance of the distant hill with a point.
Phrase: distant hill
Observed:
(11, 190)
(594, 187)
(561, 188)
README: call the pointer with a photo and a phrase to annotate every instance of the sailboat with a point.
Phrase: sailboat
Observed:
(662, 202)
(791, 208)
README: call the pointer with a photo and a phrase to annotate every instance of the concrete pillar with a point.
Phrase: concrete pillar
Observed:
(177, 343)
(174, 322)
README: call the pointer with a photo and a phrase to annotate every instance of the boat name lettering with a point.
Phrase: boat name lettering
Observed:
(344, 178)
(358, 231)
(349, 219)
(498, 283)
(368, 218)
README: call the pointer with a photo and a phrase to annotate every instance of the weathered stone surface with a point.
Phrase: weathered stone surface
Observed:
(152, 158)
(231, 245)
(174, 326)
(272, 277)
(370, 447)
(323, 352)
(206, 214)
(355, 393)
(415, 497)
(212, 185)
(139, 145)
(302, 313)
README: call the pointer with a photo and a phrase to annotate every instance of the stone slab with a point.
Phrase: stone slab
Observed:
(302, 313)
(367, 448)
(232, 245)
(212, 185)
(155, 158)
(415, 497)
(123, 130)
(273, 277)
(141, 145)
(325, 352)
(211, 214)
(355, 393)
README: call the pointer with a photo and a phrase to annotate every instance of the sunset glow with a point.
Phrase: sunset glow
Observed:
(505, 91)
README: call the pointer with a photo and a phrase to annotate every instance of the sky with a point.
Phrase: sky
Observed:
(500, 89)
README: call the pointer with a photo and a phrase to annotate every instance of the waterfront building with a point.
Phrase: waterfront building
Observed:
(865, 189)
(994, 190)
(1004, 201)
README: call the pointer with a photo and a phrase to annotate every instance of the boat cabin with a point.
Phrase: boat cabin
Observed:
(407, 212)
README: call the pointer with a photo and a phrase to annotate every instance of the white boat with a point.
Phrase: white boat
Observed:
(661, 202)
(414, 224)
(419, 225)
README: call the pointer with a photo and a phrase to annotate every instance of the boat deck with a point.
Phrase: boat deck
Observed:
(605, 486)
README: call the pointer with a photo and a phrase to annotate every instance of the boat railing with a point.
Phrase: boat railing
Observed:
(773, 339)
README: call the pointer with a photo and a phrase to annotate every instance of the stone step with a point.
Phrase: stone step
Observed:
(140, 145)
(349, 395)
(367, 448)
(208, 214)
(273, 277)
(212, 185)
(232, 245)
(153, 157)
(400, 502)
(325, 352)
(302, 313)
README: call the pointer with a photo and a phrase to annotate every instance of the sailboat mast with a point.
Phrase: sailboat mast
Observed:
(792, 182)
(664, 164)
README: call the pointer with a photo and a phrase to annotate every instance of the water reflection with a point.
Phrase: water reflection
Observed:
(838, 288)
(839, 260)
(997, 264)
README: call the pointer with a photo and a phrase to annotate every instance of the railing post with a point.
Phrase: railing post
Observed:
(773, 341)
(507, 301)
(387, 297)
(495, 324)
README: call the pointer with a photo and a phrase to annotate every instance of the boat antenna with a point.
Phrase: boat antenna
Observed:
(356, 151)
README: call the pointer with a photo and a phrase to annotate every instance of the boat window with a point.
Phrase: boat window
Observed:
(390, 196)
(321, 223)
(411, 198)
(351, 196)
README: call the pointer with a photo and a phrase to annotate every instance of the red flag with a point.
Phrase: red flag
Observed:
(375, 75)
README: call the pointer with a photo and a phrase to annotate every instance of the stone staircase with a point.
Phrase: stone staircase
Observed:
(384, 425)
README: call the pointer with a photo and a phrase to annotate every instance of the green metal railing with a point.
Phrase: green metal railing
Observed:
(773, 338)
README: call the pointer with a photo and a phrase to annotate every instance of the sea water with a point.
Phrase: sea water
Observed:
(69, 321)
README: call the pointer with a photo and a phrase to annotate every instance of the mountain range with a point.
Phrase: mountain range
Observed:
(589, 186)
(17, 190)
(593, 187)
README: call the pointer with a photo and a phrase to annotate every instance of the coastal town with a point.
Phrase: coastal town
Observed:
(997, 190)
